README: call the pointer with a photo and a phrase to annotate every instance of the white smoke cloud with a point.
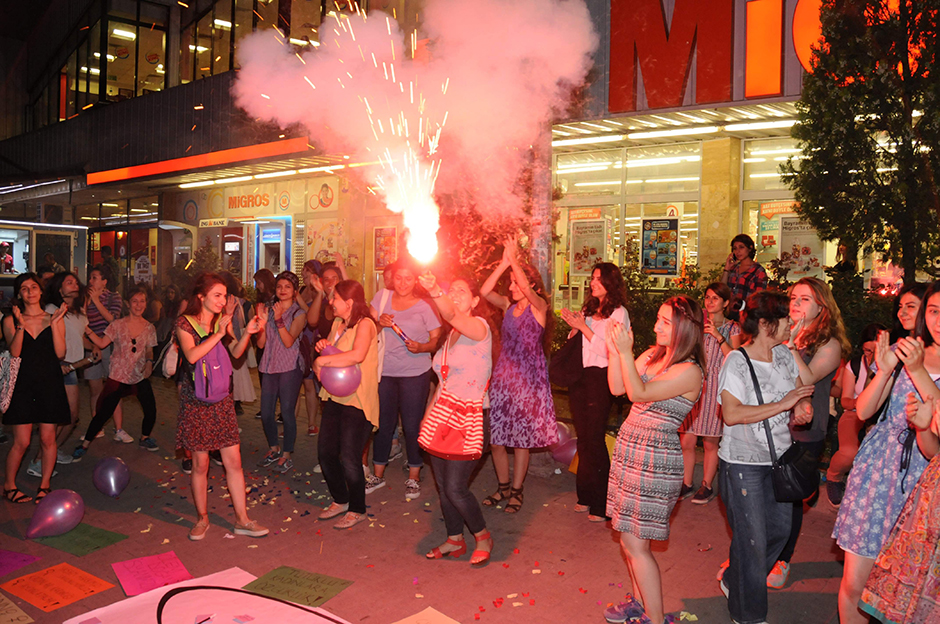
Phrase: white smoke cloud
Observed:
(459, 120)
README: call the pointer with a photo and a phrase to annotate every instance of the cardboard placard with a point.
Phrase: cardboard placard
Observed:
(12, 614)
(145, 573)
(55, 587)
(82, 540)
(11, 561)
(300, 586)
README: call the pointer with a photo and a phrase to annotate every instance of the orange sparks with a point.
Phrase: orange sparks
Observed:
(182, 4)
(265, 96)
(87, 106)
(388, 23)
(198, 107)
(299, 58)
(392, 45)
(309, 83)
(255, 12)
(193, 128)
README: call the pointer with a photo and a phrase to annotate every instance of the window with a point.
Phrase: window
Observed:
(144, 209)
(761, 161)
(121, 59)
(244, 21)
(150, 61)
(68, 84)
(663, 169)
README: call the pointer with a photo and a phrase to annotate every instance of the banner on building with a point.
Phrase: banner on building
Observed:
(801, 251)
(659, 254)
(587, 245)
(385, 250)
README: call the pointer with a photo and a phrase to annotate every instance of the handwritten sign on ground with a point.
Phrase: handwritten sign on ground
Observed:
(55, 587)
(428, 616)
(12, 614)
(307, 588)
(145, 573)
(10, 561)
(82, 540)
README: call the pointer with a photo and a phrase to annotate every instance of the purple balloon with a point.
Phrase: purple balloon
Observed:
(59, 512)
(111, 476)
(564, 434)
(564, 453)
(340, 382)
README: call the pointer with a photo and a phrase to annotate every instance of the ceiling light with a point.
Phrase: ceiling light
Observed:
(110, 57)
(764, 175)
(94, 70)
(663, 180)
(233, 180)
(197, 184)
(609, 138)
(754, 160)
(788, 150)
(593, 125)
(275, 174)
(198, 48)
(606, 183)
(330, 169)
(222, 24)
(657, 134)
(304, 42)
(760, 125)
(124, 34)
(568, 166)
(582, 169)
(650, 162)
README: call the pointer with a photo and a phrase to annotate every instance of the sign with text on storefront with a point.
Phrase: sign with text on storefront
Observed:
(271, 235)
(575, 214)
(588, 245)
(659, 254)
(281, 198)
(207, 223)
(800, 249)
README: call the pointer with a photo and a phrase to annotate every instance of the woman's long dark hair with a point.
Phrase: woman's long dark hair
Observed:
(771, 306)
(18, 282)
(106, 273)
(201, 286)
(171, 309)
(688, 328)
(920, 327)
(53, 293)
(917, 289)
(352, 290)
(265, 279)
(612, 281)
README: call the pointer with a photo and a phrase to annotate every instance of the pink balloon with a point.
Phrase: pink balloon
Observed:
(111, 476)
(564, 453)
(564, 433)
(340, 382)
(59, 512)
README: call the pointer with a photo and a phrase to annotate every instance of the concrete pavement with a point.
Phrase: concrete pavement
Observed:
(549, 564)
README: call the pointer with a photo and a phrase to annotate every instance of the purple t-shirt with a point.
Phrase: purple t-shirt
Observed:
(417, 322)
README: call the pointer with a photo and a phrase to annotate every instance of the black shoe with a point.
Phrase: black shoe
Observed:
(238, 408)
(280, 418)
(258, 415)
(812, 499)
(216, 456)
(703, 495)
(835, 490)
(686, 491)
(187, 466)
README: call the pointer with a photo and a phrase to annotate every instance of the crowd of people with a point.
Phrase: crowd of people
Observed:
(749, 371)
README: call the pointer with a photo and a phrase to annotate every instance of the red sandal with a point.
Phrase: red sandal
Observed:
(485, 554)
(437, 553)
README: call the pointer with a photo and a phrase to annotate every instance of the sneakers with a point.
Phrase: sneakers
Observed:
(349, 521)
(317, 469)
(35, 469)
(187, 466)
(199, 529)
(685, 492)
(335, 509)
(778, 575)
(721, 578)
(62, 458)
(286, 466)
(835, 490)
(100, 434)
(630, 609)
(250, 529)
(216, 457)
(78, 453)
(122, 436)
(312, 431)
(412, 489)
(395, 454)
(373, 483)
(149, 444)
(269, 459)
(703, 495)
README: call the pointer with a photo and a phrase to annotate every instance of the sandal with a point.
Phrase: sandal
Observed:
(511, 507)
(502, 493)
(41, 494)
(480, 558)
(437, 553)
(15, 496)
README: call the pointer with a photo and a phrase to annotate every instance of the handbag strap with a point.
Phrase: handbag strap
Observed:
(760, 401)
(445, 369)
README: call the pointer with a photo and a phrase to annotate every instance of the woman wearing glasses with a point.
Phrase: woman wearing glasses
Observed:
(133, 338)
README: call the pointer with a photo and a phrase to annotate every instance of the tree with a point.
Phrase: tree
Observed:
(868, 127)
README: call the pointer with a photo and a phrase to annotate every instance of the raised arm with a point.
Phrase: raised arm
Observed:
(824, 361)
(194, 352)
(539, 305)
(488, 288)
(471, 327)
(680, 380)
(879, 389)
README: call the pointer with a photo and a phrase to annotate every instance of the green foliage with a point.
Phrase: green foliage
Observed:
(868, 130)
(859, 306)
(205, 259)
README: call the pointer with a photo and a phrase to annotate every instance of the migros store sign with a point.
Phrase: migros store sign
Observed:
(676, 53)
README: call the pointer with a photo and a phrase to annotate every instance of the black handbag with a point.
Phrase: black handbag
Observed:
(566, 367)
(795, 474)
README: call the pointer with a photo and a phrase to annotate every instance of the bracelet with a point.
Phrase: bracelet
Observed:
(439, 294)
(723, 341)
(279, 323)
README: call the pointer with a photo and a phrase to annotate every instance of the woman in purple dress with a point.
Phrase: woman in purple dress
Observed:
(522, 414)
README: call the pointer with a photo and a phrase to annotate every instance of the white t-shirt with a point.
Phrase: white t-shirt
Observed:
(747, 443)
(470, 363)
(863, 372)
(74, 330)
(594, 353)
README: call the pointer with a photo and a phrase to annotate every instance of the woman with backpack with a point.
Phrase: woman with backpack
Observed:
(206, 422)
(281, 366)
(133, 338)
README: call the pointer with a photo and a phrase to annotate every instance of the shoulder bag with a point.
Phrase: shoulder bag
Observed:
(566, 367)
(795, 474)
(453, 427)
(381, 330)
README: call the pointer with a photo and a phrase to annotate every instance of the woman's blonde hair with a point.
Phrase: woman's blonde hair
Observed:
(828, 325)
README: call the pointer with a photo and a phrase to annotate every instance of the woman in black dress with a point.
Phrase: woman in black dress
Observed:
(39, 394)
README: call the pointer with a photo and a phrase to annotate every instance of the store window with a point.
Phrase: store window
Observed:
(204, 35)
(143, 210)
(304, 24)
(122, 38)
(663, 169)
(69, 80)
(590, 173)
(150, 61)
(586, 235)
(87, 215)
(113, 213)
(762, 159)
(244, 23)
(14, 251)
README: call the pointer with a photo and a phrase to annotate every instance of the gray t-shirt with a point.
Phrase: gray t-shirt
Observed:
(417, 322)
(747, 443)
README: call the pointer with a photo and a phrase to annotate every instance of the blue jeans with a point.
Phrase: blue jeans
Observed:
(760, 527)
(407, 396)
(284, 386)
(458, 505)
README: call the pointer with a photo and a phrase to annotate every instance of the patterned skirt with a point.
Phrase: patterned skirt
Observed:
(205, 426)
(904, 585)
(645, 480)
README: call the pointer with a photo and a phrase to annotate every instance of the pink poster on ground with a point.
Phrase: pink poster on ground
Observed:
(145, 573)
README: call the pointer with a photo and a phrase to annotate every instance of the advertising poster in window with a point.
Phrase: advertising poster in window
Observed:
(660, 252)
(801, 251)
(588, 245)
(386, 246)
(324, 238)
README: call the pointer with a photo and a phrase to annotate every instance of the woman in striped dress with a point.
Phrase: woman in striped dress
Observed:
(722, 336)
(646, 467)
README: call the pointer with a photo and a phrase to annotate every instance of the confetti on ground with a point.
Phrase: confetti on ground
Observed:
(165, 541)
(419, 595)
(536, 571)
(147, 530)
